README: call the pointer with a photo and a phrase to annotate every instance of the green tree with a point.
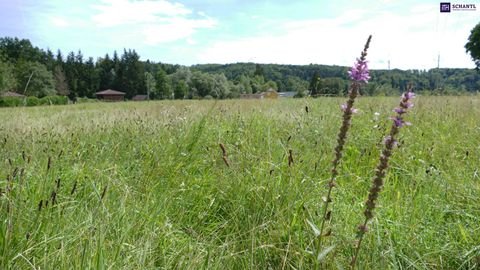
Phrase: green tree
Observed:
(270, 85)
(315, 84)
(257, 83)
(259, 71)
(14, 50)
(61, 85)
(106, 72)
(297, 85)
(34, 79)
(163, 88)
(150, 83)
(473, 45)
(202, 84)
(8, 81)
(180, 90)
(221, 88)
(244, 85)
(131, 74)
(181, 79)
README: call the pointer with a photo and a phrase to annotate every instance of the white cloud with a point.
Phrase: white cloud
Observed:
(409, 40)
(174, 29)
(156, 21)
(59, 22)
(121, 12)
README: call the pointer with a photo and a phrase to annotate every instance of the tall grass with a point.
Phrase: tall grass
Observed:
(146, 186)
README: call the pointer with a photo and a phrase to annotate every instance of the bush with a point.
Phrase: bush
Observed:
(33, 101)
(11, 102)
(54, 100)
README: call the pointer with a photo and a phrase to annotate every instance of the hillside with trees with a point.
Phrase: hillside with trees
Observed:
(32, 71)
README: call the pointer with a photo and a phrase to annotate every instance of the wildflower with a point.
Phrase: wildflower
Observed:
(377, 183)
(344, 108)
(358, 73)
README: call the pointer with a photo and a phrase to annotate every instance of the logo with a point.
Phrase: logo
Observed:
(444, 7)
(449, 7)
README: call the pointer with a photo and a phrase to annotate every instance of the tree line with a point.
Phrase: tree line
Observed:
(32, 71)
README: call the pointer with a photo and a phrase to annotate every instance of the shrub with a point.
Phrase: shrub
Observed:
(54, 100)
(33, 101)
(11, 102)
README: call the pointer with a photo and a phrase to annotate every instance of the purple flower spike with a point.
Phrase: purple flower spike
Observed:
(409, 95)
(359, 71)
(397, 121)
(344, 108)
(377, 182)
(400, 110)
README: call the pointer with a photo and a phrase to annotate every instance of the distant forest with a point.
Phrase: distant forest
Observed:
(32, 71)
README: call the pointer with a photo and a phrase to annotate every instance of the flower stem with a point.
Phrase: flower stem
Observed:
(359, 75)
(382, 166)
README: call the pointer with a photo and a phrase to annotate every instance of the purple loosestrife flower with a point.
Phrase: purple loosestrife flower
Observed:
(359, 71)
(344, 108)
(359, 75)
(377, 183)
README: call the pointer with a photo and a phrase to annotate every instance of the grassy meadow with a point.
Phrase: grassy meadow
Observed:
(145, 185)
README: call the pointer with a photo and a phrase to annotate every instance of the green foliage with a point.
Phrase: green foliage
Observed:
(35, 79)
(221, 88)
(180, 81)
(32, 101)
(61, 85)
(258, 71)
(294, 84)
(315, 84)
(257, 83)
(130, 77)
(332, 87)
(202, 84)
(11, 101)
(7, 77)
(270, 85)
(54, 100)
(150, 83)
(244, 85)
(77, 76)
(473, 45)
(163, 88)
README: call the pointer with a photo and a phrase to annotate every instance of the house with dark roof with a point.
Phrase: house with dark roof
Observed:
(110, 95)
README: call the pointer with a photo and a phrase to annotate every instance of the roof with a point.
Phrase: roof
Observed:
(287, 94)
(11, 94)
(140, 97)
(110, 92)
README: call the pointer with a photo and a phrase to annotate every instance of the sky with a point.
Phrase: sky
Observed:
(408, 34)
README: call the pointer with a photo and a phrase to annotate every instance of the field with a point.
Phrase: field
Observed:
(146, 186)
